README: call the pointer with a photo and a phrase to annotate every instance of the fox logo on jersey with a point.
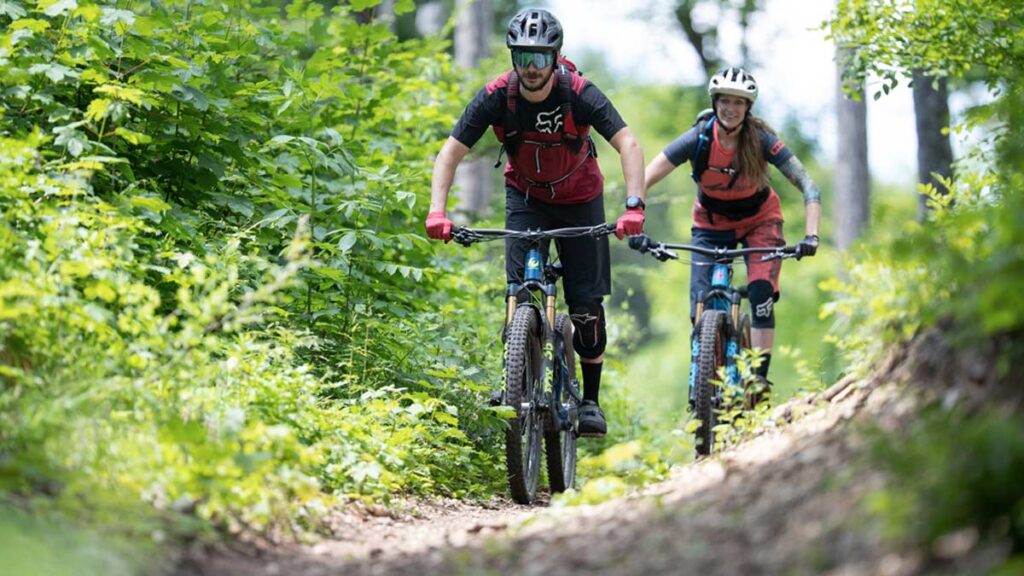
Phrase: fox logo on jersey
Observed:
(549, 122)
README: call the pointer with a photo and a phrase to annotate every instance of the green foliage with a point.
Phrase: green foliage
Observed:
(890, 38)
(735, 420)
(955, 477)
(627, 465)
(212, 277)
(965, 262)
(970, 465)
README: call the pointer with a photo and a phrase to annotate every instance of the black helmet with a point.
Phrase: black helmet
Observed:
(534, 28)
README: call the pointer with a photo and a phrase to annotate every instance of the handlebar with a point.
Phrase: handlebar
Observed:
(467, 236)
(663, 251)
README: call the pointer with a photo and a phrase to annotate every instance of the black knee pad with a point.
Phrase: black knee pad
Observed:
(762, 303)
(590, 337)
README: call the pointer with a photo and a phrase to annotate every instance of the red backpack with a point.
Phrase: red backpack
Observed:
(512, 131)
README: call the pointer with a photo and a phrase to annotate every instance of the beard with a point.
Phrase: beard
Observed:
(533, 80)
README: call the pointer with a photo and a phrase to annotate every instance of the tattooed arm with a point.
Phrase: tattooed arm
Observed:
(795, 173)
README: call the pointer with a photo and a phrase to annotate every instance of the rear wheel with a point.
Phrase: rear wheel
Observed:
(559, 442)
(711, 355)
(744, 331)
(522, 390)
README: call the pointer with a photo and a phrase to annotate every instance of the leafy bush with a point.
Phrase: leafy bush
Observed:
(964, 263)
(972, 465)
(213, 291)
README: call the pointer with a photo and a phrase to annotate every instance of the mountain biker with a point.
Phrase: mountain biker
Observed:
(542, 112)
(735, 203)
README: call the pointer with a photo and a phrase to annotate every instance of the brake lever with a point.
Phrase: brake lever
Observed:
(663, 254)
(463, 236)
(779, 255)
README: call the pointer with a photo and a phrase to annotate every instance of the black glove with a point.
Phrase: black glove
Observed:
(807, 247)
(640, 243)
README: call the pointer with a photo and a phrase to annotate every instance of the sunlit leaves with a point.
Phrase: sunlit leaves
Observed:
(964, 263)
(359, 5)
(54, 72)
(57, 7)
(187, 144)
(11, 9)
(893, 37)
(30, 24)
(133, 95)
(97, 109)
(133, 137)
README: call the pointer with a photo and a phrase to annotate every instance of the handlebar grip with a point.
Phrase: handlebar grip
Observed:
(641, 243)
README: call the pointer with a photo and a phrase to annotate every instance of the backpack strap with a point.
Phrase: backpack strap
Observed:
(510, 124)
(570, 134)
(706, 131)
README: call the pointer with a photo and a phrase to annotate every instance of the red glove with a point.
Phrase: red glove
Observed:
(631, 223)
(439, 227)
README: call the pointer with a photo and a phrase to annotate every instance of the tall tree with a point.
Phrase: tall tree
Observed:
(703, 38)
(851, 206)
(703, 35)
(934, 153)
(473, 184)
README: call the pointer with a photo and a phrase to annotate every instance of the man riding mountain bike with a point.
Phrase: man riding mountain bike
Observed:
(542, 112)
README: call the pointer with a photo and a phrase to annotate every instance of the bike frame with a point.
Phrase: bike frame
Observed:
(722, 297)
(725, 298)
(538, 292)
(540, 282)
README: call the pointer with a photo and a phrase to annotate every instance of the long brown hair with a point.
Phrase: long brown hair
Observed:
(749, 160)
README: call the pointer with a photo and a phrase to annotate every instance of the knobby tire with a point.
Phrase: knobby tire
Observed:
(522, 386)
(711, 355)
(559, 444)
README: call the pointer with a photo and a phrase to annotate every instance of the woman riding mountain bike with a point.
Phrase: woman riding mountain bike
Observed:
(729, 149)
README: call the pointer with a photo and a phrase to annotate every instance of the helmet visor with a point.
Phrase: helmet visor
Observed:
(540, 60)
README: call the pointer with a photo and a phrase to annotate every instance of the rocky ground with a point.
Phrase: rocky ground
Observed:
(789, 501)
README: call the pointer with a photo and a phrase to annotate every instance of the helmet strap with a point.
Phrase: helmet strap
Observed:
(729, 131)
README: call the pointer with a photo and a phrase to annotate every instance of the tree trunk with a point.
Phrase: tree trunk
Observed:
(386, 13)
(934, 154)
(704, 41)
(852, 178)
(430, 17)
(474, 178)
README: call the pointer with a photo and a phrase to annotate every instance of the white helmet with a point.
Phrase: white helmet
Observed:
(735, 82)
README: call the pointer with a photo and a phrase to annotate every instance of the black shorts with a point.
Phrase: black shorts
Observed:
(585, 261)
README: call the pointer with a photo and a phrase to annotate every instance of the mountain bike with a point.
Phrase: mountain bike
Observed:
(537, 350)
(720, 333)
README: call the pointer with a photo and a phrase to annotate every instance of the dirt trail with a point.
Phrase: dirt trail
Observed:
(786, 502)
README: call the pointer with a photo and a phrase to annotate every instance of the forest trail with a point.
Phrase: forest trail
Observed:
(790, 500)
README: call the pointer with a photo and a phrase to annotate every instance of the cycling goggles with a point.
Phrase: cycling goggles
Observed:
(540, 60)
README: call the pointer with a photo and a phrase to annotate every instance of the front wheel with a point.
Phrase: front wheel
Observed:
(711, 337)
(523, 388)
(560, 435)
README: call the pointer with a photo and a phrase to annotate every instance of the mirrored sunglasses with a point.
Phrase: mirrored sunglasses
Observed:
(523, 59)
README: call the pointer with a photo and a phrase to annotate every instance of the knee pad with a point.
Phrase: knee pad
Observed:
(762, 303)
(590, 337)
